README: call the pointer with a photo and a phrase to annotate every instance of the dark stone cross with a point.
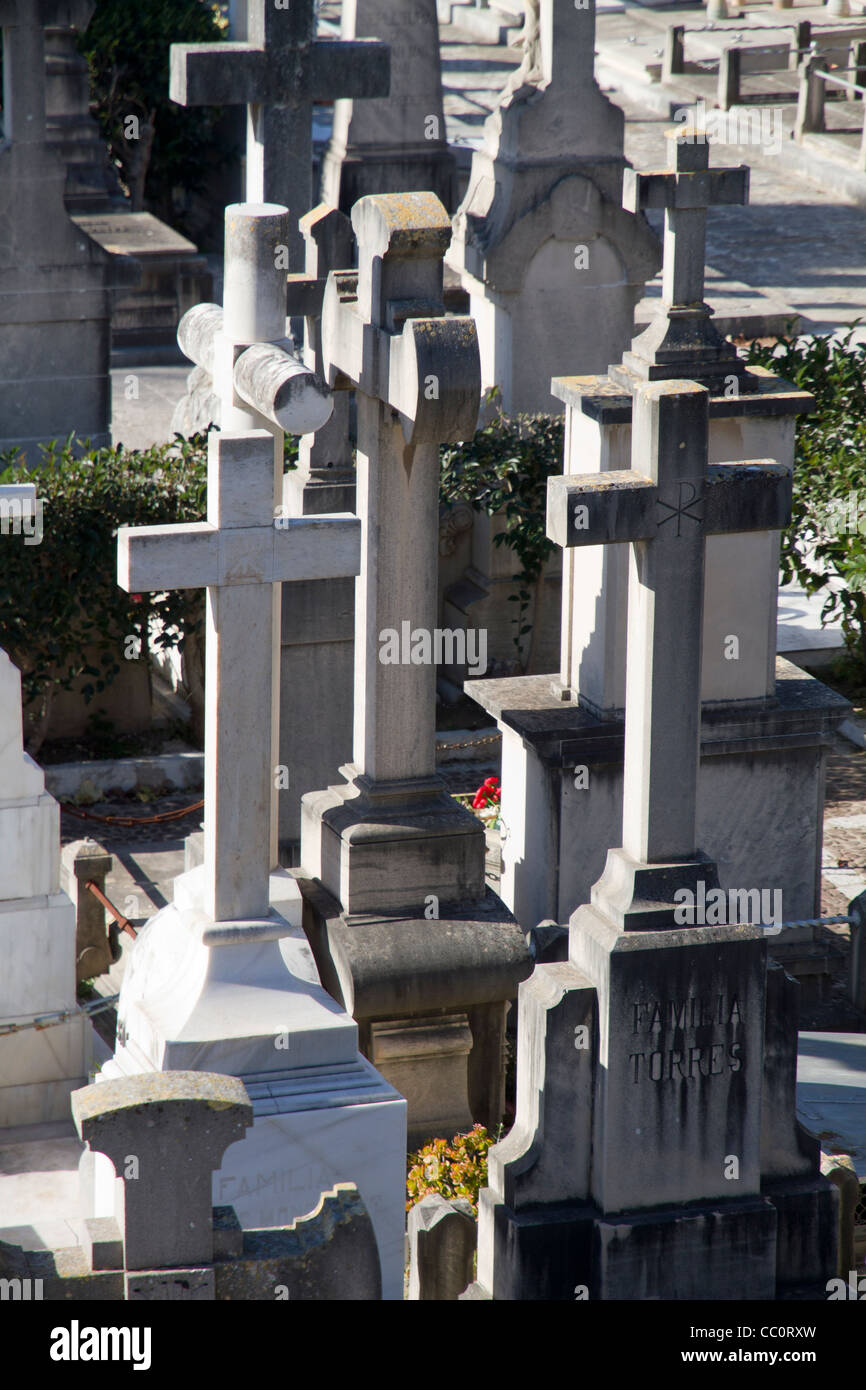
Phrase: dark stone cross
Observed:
(683, 342)
(278, 73)
(665, 505)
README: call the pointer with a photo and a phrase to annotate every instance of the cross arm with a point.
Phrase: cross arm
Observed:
(218, 74)
(199, 555)
(699, 188)
(349, 68)
(601, 508)
(752, 496)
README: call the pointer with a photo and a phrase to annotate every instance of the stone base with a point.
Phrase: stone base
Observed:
(425, 990)
(760, 792)
(806, 1231)
(427, 167)
(712, 1251)
(392, 846)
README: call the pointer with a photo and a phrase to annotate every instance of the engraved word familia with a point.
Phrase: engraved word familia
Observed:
(685, 1062)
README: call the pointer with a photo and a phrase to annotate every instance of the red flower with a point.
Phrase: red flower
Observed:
(488, 794)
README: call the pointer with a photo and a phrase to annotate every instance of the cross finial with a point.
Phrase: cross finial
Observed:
(683, 342)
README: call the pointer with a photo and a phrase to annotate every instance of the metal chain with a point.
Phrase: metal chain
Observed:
(61, 1016)
(818, 922)
(469, 743)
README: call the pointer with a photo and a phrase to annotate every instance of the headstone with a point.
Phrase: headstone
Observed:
(54, 280)
(396, 856)
(650, 1039)
(442, 1237)
(563, 740)
(222, 979)
(39, 1067)
(163, 1135)
(553, 264)
(396, 143)
(277, 73)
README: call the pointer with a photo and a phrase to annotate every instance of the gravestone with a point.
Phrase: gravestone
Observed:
(396, 143)
(655, 1152)
(392, 867)
(553, 264)
(54, 280)
(164, 1135)
(222, 979)
(39, 1067)
(442, 1238)
(278, 72)
(765, 722)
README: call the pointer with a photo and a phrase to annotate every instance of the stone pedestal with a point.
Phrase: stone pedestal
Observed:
(39, 1067)
(760, 792)
(655, 1153)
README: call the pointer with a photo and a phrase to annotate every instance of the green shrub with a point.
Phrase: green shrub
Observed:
(458, 1169)
(59, 600)
(504, 469)
(827, 536)
(127, 50)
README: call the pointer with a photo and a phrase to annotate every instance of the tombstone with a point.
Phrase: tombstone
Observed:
(396, 144)
(404, 932)
(650, 1039)
(39, 1066)
(54, 280)
(278, 73)
(765, 722)
(163, 1136)
(222, 978)
(553, 264)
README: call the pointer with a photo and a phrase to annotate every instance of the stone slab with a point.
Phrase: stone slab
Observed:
(831, 1092)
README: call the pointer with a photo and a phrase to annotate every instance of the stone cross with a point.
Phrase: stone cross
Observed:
(417, 378)
(683, 342)
(278, 73)
(666, 505)
(416, 375)
(238, 555)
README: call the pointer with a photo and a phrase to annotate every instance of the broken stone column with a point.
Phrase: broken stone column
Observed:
(83, 862)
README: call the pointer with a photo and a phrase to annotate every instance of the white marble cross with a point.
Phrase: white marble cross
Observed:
(666, 505)
(417, 378)
(683, 341)
(238, 555)
(278, 74)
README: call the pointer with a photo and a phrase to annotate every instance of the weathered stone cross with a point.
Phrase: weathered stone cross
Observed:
(238, 555)
(683, 341)
(278, 74)
(417, 379)
(665, 505)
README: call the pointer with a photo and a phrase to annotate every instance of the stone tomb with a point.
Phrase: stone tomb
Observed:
(655, 1152)
(54, 280)
(397, 143)
(278, 73)
(404, 932)
(765, 723)
(39, 1067)
(222, 979)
